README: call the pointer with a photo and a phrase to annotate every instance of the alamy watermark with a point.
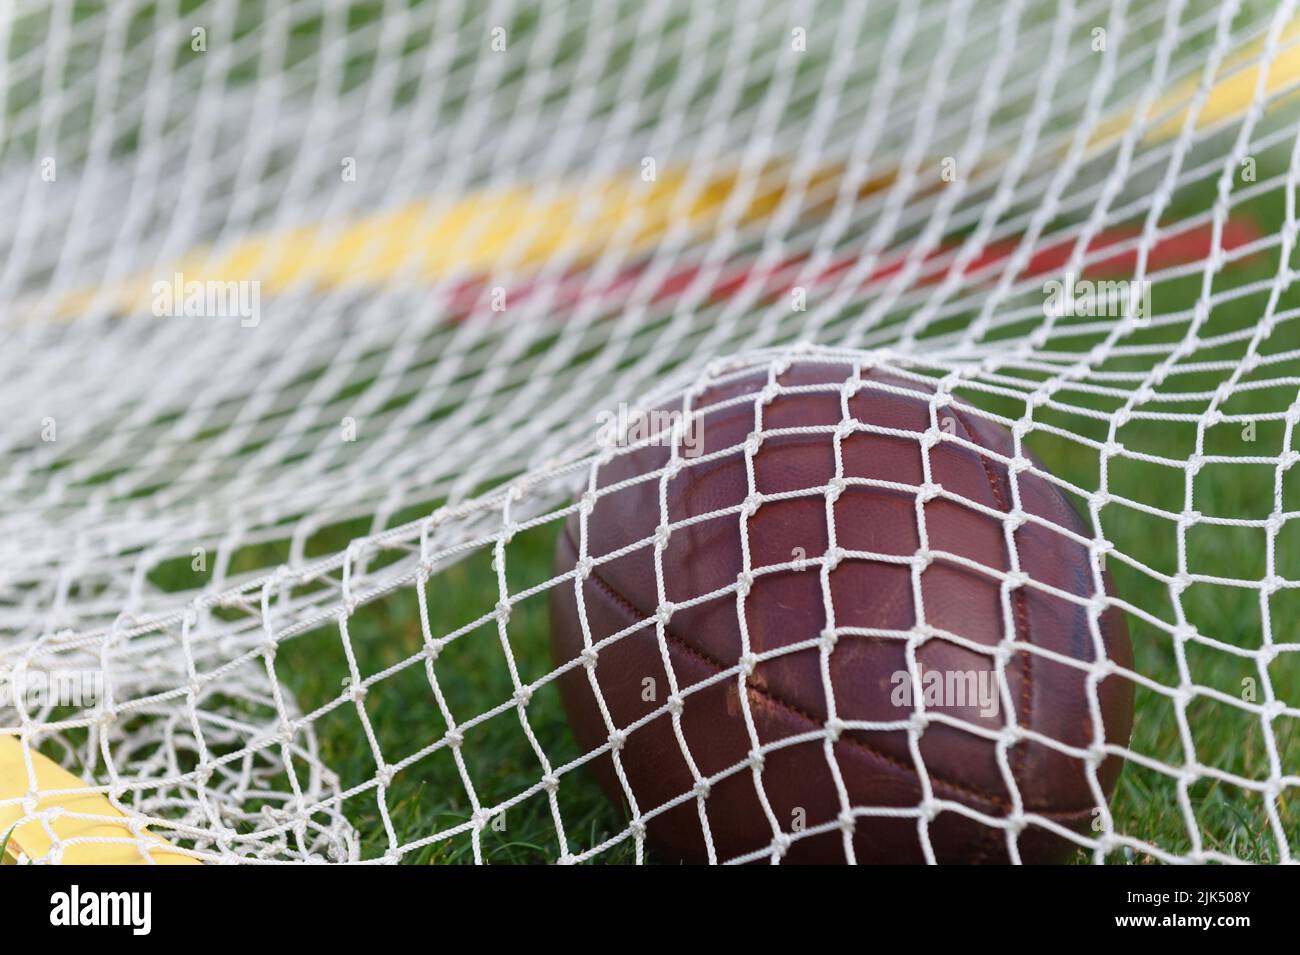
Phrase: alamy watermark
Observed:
(957, 689)
(84, 907)
(190, 298)
(57, 687)
(1120, 298)
(627, 427)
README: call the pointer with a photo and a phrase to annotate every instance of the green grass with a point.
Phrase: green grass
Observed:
(430, 795)
(473, 675)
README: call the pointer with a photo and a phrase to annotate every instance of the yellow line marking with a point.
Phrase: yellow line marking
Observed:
(85, 815)
(519, 227)
(1228, 98)
(516, 227)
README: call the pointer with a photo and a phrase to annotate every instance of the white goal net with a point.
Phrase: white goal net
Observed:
(314, 314)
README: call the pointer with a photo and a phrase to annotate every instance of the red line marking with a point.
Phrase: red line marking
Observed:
(575, 287)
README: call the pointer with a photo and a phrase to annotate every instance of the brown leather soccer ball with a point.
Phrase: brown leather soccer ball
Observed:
(872, 591)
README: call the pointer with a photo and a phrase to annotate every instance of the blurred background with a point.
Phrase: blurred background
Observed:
(308, 310)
